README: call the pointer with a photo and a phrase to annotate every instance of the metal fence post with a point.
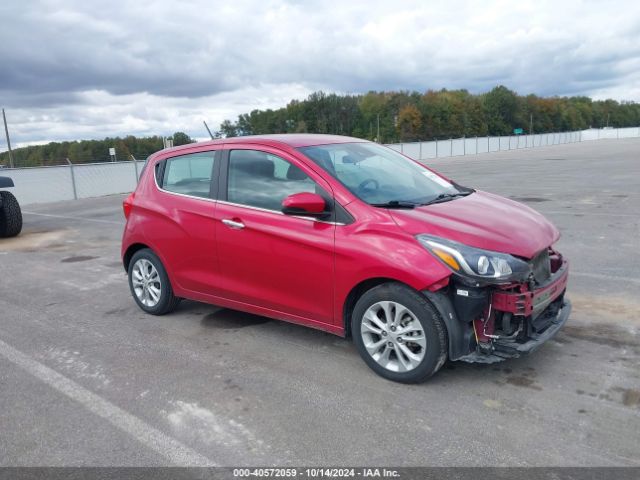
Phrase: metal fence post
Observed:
(73, 180)
(436, 148)
(420, 151)
(135, 167)
(402, 148)
(450, 147)
(464, 145)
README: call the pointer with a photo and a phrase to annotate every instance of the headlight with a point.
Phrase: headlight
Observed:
(475, 263)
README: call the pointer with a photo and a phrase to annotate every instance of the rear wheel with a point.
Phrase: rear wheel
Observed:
(149, 284)
(10, 215)
(399, 333)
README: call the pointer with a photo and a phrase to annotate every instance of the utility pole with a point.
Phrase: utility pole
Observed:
(377, 138)
(6, 131)
(608, 115)
(207, 127)
(530, 123)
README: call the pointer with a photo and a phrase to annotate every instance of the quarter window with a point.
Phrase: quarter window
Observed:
(259, 179)
(189, 174)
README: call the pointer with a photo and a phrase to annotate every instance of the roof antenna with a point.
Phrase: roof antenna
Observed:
(207, 127)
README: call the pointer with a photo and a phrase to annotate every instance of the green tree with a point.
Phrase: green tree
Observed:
(228, 129)
(501, 106)
(181, 138)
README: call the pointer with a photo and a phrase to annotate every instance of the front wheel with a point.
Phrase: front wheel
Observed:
(149, 284)
(399, 333)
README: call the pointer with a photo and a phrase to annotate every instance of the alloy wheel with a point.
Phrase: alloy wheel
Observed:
(146, 282)
(393, 336)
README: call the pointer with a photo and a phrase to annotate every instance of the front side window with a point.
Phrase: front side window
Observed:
(189, 174)
(377, 174)
(259, 179)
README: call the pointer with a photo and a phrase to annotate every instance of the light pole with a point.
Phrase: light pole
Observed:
(6, 131)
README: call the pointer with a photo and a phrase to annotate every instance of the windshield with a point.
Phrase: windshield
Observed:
(379, 175)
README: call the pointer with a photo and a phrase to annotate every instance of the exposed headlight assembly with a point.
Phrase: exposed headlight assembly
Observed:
(474, 263)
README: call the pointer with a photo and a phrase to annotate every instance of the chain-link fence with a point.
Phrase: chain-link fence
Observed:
(68, 182)
(472, 146)
(53, 184)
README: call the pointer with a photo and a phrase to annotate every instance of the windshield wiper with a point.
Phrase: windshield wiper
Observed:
(462, 188)
(445, 197)
(396, 204)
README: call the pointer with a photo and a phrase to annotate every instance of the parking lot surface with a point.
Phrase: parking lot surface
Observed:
(86, 378)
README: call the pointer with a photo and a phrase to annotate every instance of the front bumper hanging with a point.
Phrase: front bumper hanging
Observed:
(540, 312)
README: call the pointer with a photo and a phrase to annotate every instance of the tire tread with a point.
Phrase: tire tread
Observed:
(10, 215)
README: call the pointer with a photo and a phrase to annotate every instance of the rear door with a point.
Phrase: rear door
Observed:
(184, 230)
(267, 259)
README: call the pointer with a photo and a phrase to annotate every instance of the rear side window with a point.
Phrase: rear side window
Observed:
(189, 174)
(259, 179)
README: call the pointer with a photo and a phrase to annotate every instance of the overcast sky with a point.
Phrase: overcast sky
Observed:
(90, 69)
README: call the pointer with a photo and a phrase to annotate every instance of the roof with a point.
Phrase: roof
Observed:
(293, 140)
(296, 139)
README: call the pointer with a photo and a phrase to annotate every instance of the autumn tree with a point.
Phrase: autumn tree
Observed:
(409, 123)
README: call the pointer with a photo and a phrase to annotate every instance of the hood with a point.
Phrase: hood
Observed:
(482, 220)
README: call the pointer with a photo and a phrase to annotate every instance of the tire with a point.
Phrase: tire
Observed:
(146, 272)
(414, 327)
(10, 215)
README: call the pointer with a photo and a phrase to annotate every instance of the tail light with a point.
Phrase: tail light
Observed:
(127, 205)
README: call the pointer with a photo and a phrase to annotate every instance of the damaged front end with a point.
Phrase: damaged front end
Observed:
(499, 306)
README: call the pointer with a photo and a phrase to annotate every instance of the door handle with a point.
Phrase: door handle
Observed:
(233, 223)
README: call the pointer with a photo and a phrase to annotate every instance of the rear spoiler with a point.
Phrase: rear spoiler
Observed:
(6, 182)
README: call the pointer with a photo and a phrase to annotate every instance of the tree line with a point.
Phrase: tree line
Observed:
(89, 151)
(405, 116)
(386, 117)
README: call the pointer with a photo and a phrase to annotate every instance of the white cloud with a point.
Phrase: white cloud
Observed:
(99, 114)
(77, 69)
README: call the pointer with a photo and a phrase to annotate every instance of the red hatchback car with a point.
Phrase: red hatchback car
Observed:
(350, 237)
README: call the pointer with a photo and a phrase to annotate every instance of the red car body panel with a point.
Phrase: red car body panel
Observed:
(483, 220)
(300, 269)
(523, 303)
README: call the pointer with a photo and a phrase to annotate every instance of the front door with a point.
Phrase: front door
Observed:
(267, 259)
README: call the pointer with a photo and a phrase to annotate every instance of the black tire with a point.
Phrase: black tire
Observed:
(432, 325)
(167, 301)
(10, 215)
